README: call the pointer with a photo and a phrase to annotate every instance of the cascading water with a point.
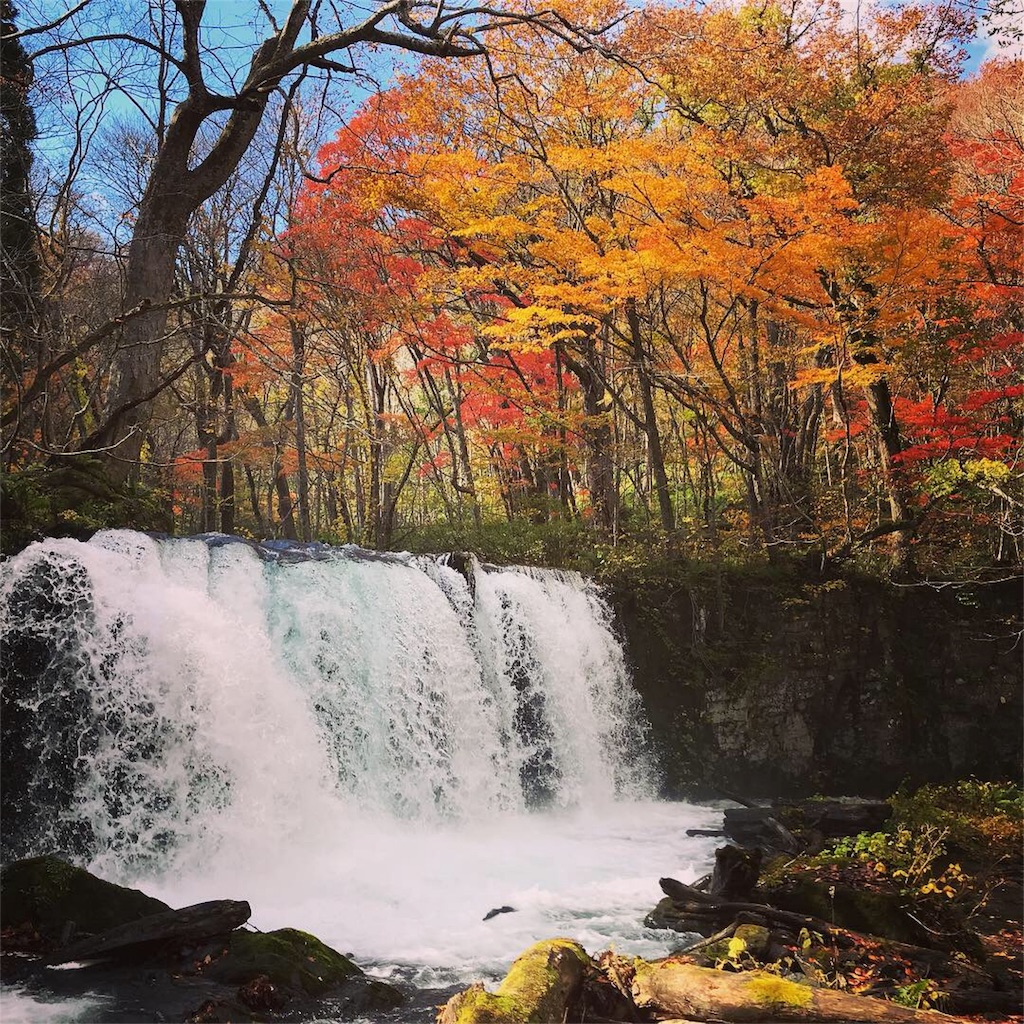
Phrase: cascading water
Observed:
(375, 748)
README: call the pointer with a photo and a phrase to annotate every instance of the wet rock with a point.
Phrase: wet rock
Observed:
(262, 994)
(296, 962)
(498, 910)
(60, 901)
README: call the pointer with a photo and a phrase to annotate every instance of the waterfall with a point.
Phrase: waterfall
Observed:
(167, 699)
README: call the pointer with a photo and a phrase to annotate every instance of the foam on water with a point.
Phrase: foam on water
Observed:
(17, 1006)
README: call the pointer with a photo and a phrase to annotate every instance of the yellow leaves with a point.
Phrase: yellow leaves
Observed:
(535, 328)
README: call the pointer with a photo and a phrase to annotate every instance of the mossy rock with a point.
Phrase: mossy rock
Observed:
(48, 893)
(860, 910)
(299, 962)
(753, 940)
(541, 985)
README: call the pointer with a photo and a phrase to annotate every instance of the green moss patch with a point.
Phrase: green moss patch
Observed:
(771, 992)
(48, 892)
(288, 957)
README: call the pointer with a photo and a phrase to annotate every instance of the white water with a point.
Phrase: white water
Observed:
(19, 1007)
(357, 747)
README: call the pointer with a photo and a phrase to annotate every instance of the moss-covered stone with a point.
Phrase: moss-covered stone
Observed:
(48, 893)
(296, 961)
(539, 987)
(860, 910)
(750, 940)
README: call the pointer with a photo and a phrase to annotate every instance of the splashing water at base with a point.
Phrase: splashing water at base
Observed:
(409, 901)
(376, 750)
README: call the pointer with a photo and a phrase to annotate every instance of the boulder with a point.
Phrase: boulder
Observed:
(59, 900)
(542, 985)
(859, 910)
(298, 963)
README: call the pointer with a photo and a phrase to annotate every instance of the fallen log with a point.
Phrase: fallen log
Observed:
(971, 1001)
(827, 819)
(690, 904)
(541, 986)
(757, 826)
(190, 924)
(683, 893)
(836, 818)
(677, 990)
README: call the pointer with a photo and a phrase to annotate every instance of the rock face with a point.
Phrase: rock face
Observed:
(785, 686)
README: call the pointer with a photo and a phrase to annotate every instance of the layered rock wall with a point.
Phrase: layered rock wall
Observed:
(787, 686)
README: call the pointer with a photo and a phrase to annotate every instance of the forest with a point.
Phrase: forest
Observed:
(730, 281)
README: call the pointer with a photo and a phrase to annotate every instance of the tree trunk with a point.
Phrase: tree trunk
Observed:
(655, 454)
(883, 418)
(149, 280)
(597, 437)
(302, 481)
(187, 925)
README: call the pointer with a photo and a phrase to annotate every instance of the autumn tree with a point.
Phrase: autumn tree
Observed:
(195, 93)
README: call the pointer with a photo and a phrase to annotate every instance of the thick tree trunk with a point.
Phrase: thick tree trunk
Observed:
(597, 437)
(883, 417)
(149, 280)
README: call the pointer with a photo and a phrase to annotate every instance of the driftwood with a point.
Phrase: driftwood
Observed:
(827, 819)
(542, 985)
(736, 872)
(691, 903)
(676, 990)
(190, 924)
(683, 893)
(757, 826)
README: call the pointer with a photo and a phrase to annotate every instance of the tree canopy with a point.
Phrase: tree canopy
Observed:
(727, 279)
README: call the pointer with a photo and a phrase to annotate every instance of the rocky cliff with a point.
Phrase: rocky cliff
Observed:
(769, 685)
